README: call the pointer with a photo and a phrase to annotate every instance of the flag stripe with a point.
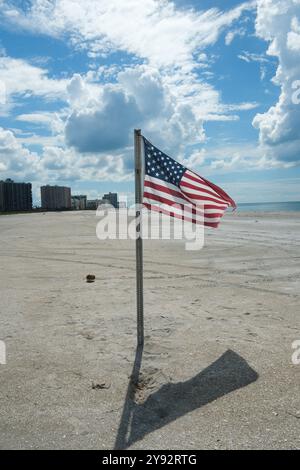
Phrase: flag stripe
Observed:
(198, 197)
(167, 194)
(154, 198)
(155, 185)
(167, 210)
(153, 179)
(188, 177)
(219, 191)
(152, 207)
(198, 190)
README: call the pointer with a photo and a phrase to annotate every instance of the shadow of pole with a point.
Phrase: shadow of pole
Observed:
(122, 439)
(228, 373)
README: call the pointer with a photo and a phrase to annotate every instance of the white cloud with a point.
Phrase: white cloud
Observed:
(227, 157)
(167, 95)
(53, 121)
(166, 111)
(84, 91)
(263, 61)
(231, 35)
(15, 160)
(278, 22)
(151, 29)
(170, 111)
(22, 78)
(105, 128)
(140, 97)
(293, 39)
(197, 158)
(58, 163)
(170, 40)
(234, 157)
(252, 57)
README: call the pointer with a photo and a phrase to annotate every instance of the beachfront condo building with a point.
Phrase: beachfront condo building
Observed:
(56, 197)
(79, 202)
(111, 198)
(15, 196)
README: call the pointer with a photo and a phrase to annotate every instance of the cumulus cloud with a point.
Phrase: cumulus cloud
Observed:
(15, 160)
(84, 91)
(103, 129)
(146, 85)
(49, 120)
(196, 159)
(140, 97)
(66, 164)
(171, 112)
(293, 39)
(23, 79)
(278, 22)
(56, 163)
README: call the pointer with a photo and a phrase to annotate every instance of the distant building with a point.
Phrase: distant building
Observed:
(111, 198)
(15, 196)
(92, 204)
(79, 202)
(56, 197)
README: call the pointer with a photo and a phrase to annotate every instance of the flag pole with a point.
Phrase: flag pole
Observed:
(139, 240)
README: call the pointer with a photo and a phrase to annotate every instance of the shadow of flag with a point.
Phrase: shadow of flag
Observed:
(173, 400)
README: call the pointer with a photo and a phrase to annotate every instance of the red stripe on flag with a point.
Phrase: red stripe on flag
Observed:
(213, 186)
(183, 207)
(202, 190)
(177, 216)
(199, 198)
(164, 189)
(185, 196)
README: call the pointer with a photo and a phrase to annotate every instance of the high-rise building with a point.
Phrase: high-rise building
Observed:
(56, 197)
(15, 196)
(92, 204)
(111, 198)
(79, 202)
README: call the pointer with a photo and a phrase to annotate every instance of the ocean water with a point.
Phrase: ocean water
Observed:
(269, 207)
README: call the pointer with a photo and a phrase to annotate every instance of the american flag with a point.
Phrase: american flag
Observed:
(174, 190)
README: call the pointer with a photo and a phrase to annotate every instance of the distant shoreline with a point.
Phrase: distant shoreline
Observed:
(293, 206)
(242, 208)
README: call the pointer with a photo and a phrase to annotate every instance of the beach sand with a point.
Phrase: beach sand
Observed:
(216, 370)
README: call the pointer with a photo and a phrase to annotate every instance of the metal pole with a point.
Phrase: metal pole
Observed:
(139, 240)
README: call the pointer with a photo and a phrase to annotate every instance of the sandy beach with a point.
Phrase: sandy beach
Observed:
(216, 371)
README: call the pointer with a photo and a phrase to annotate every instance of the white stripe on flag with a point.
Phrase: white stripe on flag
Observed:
(181, 212)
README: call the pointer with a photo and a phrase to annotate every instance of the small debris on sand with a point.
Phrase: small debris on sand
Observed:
(90, 278)
(100, 386)
(87, 335)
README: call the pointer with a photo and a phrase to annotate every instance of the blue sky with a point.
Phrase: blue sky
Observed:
(214, 86)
